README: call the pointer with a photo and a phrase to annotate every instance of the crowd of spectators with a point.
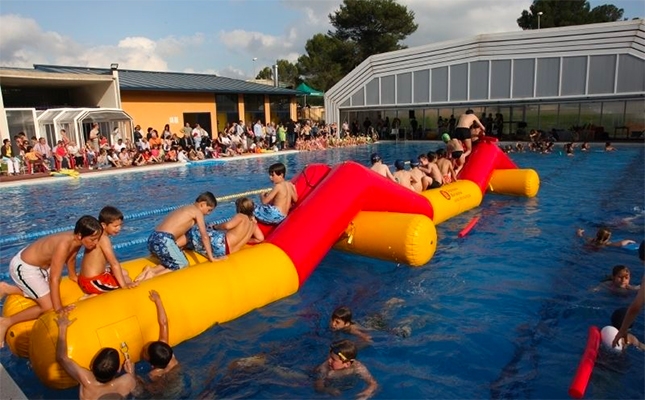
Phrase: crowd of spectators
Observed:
(191, 143)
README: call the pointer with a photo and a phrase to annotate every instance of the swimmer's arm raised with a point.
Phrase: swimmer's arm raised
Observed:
(162, 319)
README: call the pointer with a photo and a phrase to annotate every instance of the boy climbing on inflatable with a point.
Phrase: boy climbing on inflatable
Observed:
(38, 268)
(277, 202)
(100, 270)
(228, 237)
(169, 236)
(165, 372)
(100, 381)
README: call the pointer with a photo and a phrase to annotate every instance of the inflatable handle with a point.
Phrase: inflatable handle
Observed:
(468, 227)
(587, 362)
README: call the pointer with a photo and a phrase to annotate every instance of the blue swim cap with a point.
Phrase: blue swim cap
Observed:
(399, 165)
(414, 162)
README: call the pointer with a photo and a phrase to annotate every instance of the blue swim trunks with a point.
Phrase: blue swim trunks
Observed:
(219, 245)
(163, 246)
(269, 214)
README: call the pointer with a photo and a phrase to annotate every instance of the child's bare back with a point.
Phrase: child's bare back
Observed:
(242, 230)
(285, 193)
(44, 250)
(178, 222)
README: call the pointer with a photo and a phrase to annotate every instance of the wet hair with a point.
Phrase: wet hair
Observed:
(618, 269)
(87, 225)
(105, 364)
(469, 111)
(374, 158)
(641, 251)
(618, 316)
(159, 354)
(602, 236)
(431, 156)
(245, 206)
(110, 214)
(414, 163)
(345, 349)
(399, 165)
(441, 153)
(422, 157)
(278, 169)
(342, 313)
(207, 197)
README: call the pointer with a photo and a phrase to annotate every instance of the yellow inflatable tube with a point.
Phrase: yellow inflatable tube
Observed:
(453, 199)
(17, 337)
(515, 182)
(403, 238)
(195, 299)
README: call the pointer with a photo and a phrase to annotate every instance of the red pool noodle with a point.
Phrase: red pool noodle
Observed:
(587, 362)
(468, 227)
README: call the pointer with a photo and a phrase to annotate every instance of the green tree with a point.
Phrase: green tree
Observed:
(322, 65)
(287, 73)
(363, 28)
(373, 26)
(566, 13)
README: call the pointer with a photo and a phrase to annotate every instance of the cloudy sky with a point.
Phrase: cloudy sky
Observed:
(216, 36)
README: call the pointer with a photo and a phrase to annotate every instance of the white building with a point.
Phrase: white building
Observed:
(586, 76)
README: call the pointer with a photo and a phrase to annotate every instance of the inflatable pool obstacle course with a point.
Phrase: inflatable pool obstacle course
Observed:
(348, 207)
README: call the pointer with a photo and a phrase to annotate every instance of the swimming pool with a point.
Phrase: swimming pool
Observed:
(502, 313)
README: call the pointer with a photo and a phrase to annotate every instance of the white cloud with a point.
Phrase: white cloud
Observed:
(461, 19)
(23, 43)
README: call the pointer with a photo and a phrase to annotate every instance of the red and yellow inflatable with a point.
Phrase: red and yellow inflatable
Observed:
(347, 206)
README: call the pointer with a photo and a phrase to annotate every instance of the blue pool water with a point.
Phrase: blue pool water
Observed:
(501, 313)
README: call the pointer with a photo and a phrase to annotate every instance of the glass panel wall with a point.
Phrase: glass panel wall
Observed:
(532, 117)
(21, 121)
(253, 108)
(227, 110)
(584, 121)
(635, 118)
(589, 128)
(569, 116)
(613, 117)
(548, 117)
(279, 108)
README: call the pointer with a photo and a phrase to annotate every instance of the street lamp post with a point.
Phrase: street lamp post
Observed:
(254, 73)
(539, 15)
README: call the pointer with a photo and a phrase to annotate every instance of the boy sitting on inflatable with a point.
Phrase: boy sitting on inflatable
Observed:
(277, 202)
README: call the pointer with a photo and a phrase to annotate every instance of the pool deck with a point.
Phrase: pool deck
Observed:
(9, 390)
(43, 178)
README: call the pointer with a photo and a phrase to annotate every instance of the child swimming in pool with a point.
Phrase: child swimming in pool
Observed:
(228, 237)
(277, 202)
(165, 374)
(342, 363)
(617, 319)
(602, 238)
(619, 280)
(341, 320)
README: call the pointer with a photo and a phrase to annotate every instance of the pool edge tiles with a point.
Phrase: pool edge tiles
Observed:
(9, 389)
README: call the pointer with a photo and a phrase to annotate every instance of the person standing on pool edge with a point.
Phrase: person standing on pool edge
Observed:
(277, 202)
